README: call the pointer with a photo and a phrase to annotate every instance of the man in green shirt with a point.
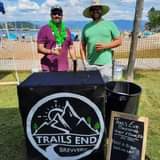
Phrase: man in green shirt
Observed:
(98, 38)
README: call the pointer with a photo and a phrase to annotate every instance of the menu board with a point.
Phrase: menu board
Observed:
(127, 137)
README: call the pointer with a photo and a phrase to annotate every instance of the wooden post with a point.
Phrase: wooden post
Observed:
(134, 40)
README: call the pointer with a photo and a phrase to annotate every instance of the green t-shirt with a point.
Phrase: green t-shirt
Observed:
(101, 32)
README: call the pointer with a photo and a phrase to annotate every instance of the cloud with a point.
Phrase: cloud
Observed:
(40, 9)
(50, 3)
(11, 9)
(127, 1)
(26, 5)
(74, 2)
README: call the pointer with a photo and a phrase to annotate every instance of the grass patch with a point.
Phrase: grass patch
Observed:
(12, 142)
(145, 53)
(11, 135)
(8, 94)
(150, 107)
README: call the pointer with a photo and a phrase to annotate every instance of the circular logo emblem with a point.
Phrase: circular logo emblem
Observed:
(65, 126)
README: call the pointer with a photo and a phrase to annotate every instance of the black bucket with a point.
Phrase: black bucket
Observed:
(122, 96)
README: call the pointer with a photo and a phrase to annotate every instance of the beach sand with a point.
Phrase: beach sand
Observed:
(21, 50)
(25, 52)
(25, 55)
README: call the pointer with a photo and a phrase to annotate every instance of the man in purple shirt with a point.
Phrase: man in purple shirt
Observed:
(54, 42)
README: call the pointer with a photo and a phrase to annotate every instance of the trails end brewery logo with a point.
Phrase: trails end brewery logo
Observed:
(65, 126)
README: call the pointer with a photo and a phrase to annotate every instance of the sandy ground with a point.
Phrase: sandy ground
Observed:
(26, 50)
(21, 50)
(26, 56)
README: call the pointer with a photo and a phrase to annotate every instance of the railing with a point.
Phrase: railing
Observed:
(148, 47)
(26, 56)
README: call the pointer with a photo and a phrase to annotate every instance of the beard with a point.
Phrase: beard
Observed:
(57, 20)
(96, 16)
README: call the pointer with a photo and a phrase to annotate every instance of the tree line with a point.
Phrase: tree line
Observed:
(153, 23)
(15, 25)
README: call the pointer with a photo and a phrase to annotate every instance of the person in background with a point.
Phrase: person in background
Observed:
(54, 42)
(98, 38)
(23, 37)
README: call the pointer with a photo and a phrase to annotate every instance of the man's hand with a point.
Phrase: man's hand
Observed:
(56, 50)
(85, 63)
(100, 46)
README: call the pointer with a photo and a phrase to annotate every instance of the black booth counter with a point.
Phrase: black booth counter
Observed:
(63, 115)
(63, 79)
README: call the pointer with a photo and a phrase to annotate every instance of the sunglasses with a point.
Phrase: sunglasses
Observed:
(57, 13)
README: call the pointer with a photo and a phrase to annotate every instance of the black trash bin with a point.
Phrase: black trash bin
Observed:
(122, 96)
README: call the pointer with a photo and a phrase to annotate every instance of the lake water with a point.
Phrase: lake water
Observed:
(123, 25)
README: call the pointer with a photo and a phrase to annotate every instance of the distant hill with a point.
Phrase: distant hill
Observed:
(19, 24)
(123, 25)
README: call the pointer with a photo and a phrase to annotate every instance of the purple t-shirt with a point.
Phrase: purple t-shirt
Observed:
(54, 62)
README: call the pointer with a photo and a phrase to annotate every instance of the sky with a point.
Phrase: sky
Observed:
(39, 10)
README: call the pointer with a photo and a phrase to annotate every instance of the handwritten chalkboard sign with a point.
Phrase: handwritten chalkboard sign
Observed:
(127, 137)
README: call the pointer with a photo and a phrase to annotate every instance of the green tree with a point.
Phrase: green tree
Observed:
(154, 19)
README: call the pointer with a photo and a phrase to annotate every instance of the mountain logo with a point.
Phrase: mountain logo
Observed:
(65, 126)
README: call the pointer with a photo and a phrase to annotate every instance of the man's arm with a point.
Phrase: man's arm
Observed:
(114, 43)
(42, 50)
(41, 40)
(72, 52)
(83, 54)
(83, 51)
